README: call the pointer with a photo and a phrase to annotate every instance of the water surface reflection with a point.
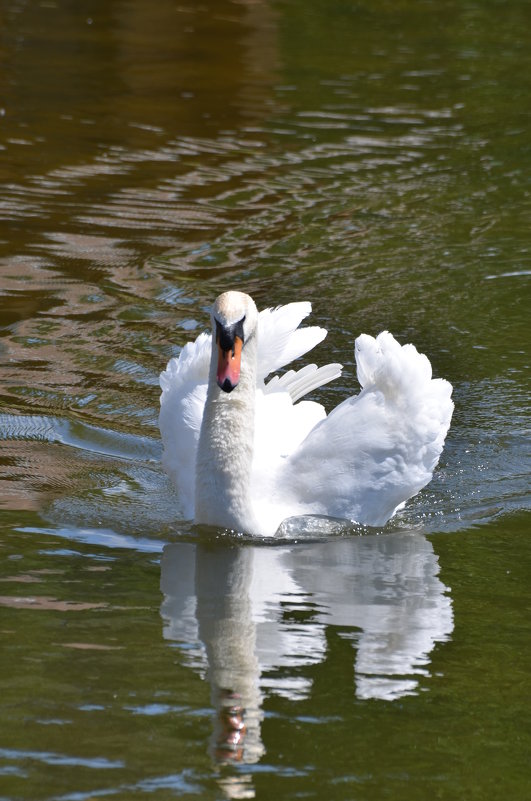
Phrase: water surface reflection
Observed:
(253, 620)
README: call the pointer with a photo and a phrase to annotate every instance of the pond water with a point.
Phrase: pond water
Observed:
(375, 159)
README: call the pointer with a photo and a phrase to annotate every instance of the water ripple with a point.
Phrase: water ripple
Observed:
(49, 758)
(77, 434)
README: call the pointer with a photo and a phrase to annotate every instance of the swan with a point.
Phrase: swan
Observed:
(246, 454)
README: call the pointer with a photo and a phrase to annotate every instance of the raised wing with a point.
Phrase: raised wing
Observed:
(377, 449)
(280, 340)
(184, 386)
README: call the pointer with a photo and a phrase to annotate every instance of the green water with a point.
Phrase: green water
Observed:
(375, 159)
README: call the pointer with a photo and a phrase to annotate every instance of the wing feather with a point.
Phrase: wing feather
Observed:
(280, 340)
(377, 449)
(184, 386)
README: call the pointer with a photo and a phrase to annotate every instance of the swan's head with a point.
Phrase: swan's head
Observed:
(234, 323)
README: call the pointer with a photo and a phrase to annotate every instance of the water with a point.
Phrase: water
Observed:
(374, 159)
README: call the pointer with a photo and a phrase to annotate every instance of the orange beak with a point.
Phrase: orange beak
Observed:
(229, 363)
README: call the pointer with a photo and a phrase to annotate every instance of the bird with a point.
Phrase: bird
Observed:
(248, 451)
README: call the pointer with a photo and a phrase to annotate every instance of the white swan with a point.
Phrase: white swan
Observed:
(245, 455)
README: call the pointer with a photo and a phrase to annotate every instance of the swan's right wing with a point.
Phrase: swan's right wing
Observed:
(375, 450)
(184, 387)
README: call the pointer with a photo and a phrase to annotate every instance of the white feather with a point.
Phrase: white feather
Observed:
(361, 463)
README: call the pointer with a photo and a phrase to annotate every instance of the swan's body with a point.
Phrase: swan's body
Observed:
(245, 455)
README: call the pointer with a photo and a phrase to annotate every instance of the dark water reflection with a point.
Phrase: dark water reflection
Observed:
(372, 158)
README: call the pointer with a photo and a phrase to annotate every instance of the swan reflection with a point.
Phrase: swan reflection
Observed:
(248, 618)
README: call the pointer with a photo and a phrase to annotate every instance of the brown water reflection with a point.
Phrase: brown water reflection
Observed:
(46, 603)
(129, 67)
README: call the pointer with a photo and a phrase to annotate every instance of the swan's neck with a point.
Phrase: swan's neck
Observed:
(225, 451)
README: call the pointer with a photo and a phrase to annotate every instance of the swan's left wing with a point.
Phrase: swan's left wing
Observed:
(184, 387)
(375, 450)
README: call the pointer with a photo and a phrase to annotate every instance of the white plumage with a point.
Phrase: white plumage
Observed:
(251, 456)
